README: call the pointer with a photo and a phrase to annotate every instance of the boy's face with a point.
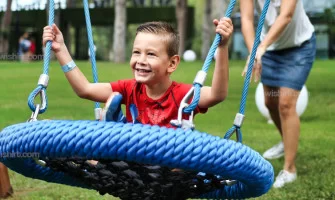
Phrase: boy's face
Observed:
(149, 61)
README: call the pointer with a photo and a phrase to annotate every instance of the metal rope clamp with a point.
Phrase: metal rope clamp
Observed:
(34, 115)
(43, 81)
(180, 122)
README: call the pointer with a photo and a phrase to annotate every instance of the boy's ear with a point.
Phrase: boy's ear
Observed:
(174, 62)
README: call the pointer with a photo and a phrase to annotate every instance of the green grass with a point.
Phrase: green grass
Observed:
(315, 162)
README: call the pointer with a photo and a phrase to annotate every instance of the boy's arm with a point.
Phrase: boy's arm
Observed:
(81, 86)
(215, 94)
(210, 96)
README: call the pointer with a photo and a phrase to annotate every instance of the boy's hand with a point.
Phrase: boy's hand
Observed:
(52, 33)
(225, 28)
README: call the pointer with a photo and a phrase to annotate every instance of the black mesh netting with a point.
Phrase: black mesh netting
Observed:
(128, 180)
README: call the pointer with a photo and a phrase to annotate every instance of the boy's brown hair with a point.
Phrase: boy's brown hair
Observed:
(164, 29)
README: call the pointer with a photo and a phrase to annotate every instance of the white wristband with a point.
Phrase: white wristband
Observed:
(69, 66)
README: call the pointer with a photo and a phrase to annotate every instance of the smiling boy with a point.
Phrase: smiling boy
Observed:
(154, 58)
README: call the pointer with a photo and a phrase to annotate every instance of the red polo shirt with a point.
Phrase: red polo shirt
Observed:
(154, 112)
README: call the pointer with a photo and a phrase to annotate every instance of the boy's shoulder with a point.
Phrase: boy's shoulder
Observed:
(123, 84)
(125, 81)
(181, 87)
(181, 84)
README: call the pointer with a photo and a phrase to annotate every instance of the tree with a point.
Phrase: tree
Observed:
(214, 9)
(120, 30)
(67, 28)
(70, 3)
(181, 15)
(207, 29)
(219, 8)
(5, 28)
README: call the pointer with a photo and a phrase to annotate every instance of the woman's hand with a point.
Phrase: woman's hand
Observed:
(257, 68)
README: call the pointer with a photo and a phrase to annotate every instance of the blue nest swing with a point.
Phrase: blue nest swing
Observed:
(138, 161)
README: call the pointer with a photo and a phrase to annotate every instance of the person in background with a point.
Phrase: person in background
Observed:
(32, 49)
(284, 59)
(24, 45)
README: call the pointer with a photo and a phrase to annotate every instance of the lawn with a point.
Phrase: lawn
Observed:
(315, 162)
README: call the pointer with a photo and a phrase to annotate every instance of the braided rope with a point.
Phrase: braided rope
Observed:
(249, 71)
(208, 61)
(186, 149)
(46, 63)
(209, 58)
(176, 148)
(252, 57)
(91, 45)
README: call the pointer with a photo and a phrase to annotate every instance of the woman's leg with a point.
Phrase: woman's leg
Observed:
(290, 126)
(271, 97)
(282, 107)
(5, 187)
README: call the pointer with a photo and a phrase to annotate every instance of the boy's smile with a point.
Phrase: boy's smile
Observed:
(141, 73)
(149, 59)
(141, 70)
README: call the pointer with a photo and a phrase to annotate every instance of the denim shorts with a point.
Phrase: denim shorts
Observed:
(289, 67)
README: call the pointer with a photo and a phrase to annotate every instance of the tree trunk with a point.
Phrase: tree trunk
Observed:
(68, 26)
(5, 28)
(219, 8)
(70, 3)
(56, 20)
(207, 29)
(181, 15)
(5, 187)
(120, 30)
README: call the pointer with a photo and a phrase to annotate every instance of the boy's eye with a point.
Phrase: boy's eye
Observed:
(151, 54)
(136, 52)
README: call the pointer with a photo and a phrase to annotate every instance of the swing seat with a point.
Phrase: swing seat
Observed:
(112, 110)
(65, 146)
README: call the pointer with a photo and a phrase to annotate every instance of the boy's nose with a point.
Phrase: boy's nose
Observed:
(142, 60)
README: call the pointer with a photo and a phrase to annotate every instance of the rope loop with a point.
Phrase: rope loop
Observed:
(207, 63)
(249, 72)
(41, 91)
(44, 78)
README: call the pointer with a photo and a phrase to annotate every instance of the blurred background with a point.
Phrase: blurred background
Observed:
(21, 28)
(192, 18)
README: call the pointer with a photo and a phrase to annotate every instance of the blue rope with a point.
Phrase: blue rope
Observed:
(249, 71)
(91, 45)
(39, 172)
(178, 148)
(46, 61)
(207, 63)
(174, 148)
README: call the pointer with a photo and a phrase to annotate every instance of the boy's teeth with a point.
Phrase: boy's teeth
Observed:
(143, 70)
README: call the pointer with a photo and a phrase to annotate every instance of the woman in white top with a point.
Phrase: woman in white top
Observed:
(284, 59)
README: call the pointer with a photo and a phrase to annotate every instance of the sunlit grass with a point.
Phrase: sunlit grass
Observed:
(315, 162)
